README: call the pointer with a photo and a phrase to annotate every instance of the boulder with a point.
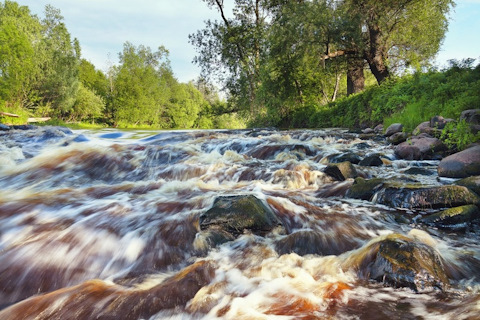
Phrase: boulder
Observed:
(342, 157)
(423, 127)
(472, 183)
(461, 164)
(378, 128)
(400, 261)
(420, 147)
(373, 160)
(4, 127)
(368, 130)
(232, 215)
(419, 171)
(397, 138)
(414, 196)
(393, 128)
(341, 171)
(364, 189)
(457, 218)
(438, 122)
(472, 117)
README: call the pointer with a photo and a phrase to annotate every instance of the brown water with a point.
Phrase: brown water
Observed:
(104, 225)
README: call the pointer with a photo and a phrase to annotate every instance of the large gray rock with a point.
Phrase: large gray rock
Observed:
(472, 117)
(420, 147)
(461, 164)
(472, 183)
(393, 128)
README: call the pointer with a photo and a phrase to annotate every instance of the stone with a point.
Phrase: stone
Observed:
(400, 261)
(393, 128)
(341, 171)
(419, 171)
(413, 196)
(423, 127)
(4, 127)
(461, 164)
(364, 189)
(368, 130)
(397, 138)
(472, 183)
(236, 214)
(420, 147)
(373, 160)
(457, 218)
(438, 122)
(378, 128)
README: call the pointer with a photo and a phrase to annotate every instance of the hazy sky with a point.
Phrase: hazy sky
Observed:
(103, 26)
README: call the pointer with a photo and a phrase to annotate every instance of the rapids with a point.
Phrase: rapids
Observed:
(105, 225)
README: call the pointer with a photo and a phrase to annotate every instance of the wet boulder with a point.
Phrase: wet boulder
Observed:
(341, 171)
(364, 189)
(373, 160)
(400, 261)
(472, 183)
(461, 164)
(232, 215)
(414, 196)
(342, 157)
(457, 218)
(393, 128)
(4, 127)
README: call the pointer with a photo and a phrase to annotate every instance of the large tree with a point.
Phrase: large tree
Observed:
(230, 49)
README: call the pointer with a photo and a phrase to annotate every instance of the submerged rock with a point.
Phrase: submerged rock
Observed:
(341, 171)
(418, 196)
(453, 218)
(364, 189)
(461, 164)
(400, 261)
(235, 214)
(373, 160)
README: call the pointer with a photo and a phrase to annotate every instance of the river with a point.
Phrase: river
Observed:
(104, 224)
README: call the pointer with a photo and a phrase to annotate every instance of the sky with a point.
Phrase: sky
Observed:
(103, 26)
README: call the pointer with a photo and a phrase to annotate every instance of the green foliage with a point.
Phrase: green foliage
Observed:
(459, 135)
(409, 100)
(87, 105)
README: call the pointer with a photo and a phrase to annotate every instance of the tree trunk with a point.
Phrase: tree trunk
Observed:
(377, 55)
(355, 76)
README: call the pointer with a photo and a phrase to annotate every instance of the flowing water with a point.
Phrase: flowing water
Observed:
(105, 225)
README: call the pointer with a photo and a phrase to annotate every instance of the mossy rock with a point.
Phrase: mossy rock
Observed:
(458, 218)
(400, 261)
(419, 197)
(364, 189)
(472, 183)
(235, 214)
(341, 171)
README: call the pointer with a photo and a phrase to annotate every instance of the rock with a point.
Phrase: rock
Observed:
(338, 158)
(235, 214)
(419, 171)
(472, 117)
(400, 261)
(305, 242)
(371, 161)
(420, 148)
(423, 127)
(457, 218)
(393, 128)
(461, 164)
(341, 171)
(368, 131)
(24, 127)
(420, 197)
(397, 138)
(4, 127)
(472, 183)
(438, 122)
(378, 128)
(364, 189)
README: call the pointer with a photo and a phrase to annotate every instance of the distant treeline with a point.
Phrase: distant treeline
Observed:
(43, 74)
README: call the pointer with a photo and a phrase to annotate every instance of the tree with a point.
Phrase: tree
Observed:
(93, 79)
(58, 83)
(19, 35)
(389, 35)
(141, 91)
(230, 50)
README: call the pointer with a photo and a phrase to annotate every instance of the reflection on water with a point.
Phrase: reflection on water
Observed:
(105, 224)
